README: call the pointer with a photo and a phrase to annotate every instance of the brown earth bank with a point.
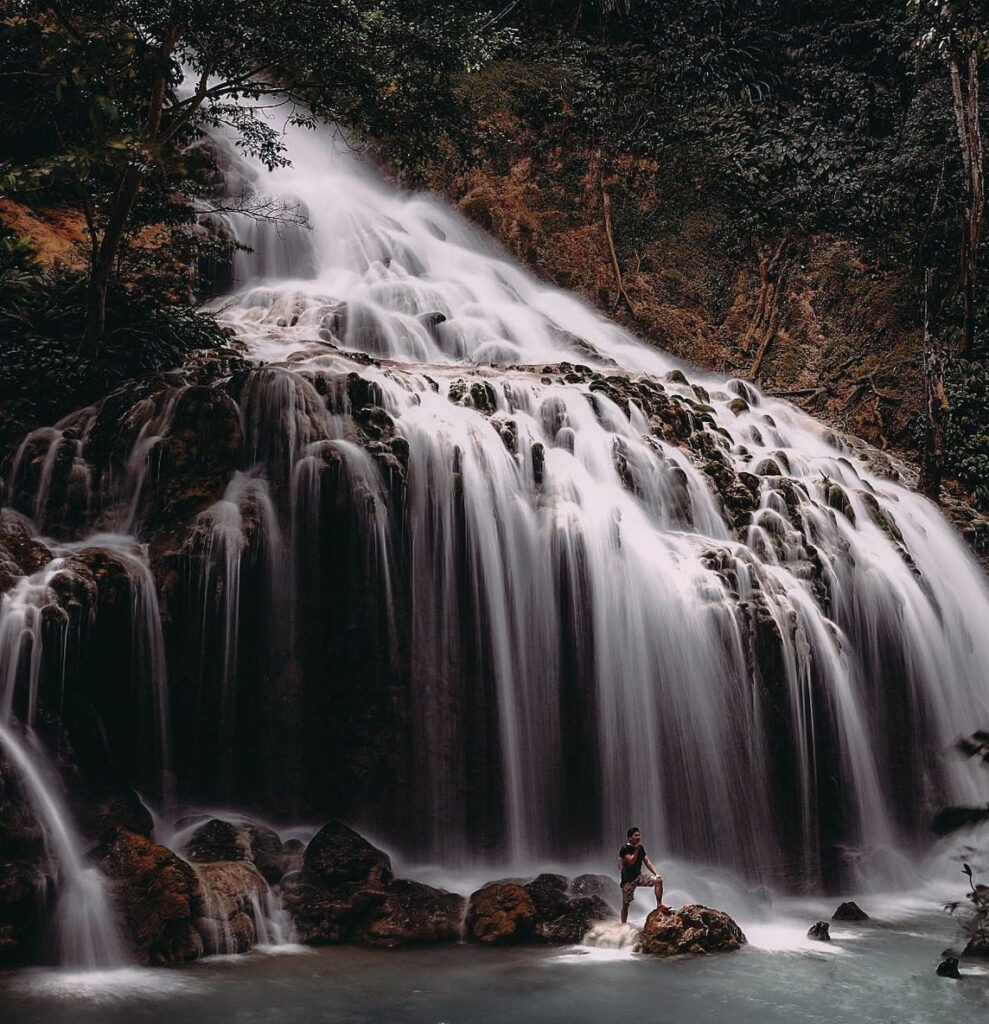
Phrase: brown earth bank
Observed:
(815, 319)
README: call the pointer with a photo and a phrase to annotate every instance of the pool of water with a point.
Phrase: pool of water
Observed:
(880, 973)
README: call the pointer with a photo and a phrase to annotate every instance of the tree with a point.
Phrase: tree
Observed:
(957, 31)
(129, 84)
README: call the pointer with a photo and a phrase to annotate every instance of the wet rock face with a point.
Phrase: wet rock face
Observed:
(24, 873)
(20, 553)
(159, 897)
(501, 913)
(691, 929)
(199, 455)
(231, 891)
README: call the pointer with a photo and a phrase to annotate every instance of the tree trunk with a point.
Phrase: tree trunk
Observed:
(966, 107)
(937, 398)
(106, 256)
(123, 205)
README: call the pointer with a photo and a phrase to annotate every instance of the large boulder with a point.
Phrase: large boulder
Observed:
(337, 855)
(158, 894)
(578, 915)
(691, 929)
(243, 839)
(411, 913)
(215, 840)
(501, 913)
(344, 892)
(560, 916)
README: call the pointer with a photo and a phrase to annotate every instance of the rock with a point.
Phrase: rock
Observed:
(578, 916)
(321, 915)
(228, 886)
(597, 885)
(20, 553)
(337, 855)
(158, 894)
(977, 946)
(560, 917)
(548, 894)
(821, 931)
(412, 913)
(344, 892)
(232, 890)
(267, 851)
(501, 913)
(948, 968)
(850, 912)
(218, 840)
(691, 929)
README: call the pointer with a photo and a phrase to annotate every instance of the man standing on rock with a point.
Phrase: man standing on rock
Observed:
(631, 857)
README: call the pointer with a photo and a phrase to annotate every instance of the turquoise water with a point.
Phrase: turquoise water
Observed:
(881, 973)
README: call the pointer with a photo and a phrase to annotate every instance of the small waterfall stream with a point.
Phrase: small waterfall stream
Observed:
(488, 570)
(85, 929)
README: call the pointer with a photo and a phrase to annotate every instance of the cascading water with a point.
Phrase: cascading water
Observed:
(85, 930)
(493, 575)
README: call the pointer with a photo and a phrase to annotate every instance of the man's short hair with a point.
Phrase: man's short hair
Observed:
(632, 829)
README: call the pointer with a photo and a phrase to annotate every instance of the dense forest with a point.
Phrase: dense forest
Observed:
(790, 191)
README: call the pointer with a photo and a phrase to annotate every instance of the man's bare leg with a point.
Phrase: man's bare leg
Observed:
(658, 887)
(624, 912)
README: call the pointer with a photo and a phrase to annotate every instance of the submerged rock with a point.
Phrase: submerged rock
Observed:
(850, 912)
(691, 929)
(821, 931)
(159, 897)
(948, 968)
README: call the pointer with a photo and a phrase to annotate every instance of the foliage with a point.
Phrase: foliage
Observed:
(974, 918)
(967, 437)
(44, 375)
(105, 100)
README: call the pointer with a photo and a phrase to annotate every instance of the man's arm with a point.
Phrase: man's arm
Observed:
(648, 863)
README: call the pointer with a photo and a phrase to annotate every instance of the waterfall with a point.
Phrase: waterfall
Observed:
(483, 570)
(591, 632)
(86, 932)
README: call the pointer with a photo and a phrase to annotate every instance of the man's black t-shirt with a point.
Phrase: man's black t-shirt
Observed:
(630, 872)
